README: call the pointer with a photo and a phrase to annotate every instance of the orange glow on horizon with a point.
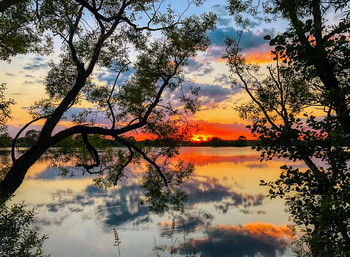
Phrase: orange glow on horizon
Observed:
(201, 138)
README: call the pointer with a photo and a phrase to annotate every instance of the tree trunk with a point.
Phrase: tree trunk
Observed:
(336, 95)
(18, 170)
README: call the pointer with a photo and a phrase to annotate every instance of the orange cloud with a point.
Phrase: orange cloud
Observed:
(260, 58)
(251, 239)
(224, 131)
(261, 229)
(253, 57)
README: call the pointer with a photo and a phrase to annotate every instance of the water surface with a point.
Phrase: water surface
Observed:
(227, 213)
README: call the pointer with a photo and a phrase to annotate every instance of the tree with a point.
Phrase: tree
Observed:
(5, 140)
(216, 141)
(131, 105)
(17, 238)
(312, 70)
(313, 45)
(31, 137)
(20, 29)
(242, 138)
(5, 107)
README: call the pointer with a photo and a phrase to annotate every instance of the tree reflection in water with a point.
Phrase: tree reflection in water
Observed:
(224, 215)
(194, 229)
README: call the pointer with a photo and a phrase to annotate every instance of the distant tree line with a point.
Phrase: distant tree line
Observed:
(31, 136)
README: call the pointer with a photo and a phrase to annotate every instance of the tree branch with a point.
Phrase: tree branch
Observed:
(20, 132)
(120, 171)
(93, 152)
(124, 142)
(111, 94)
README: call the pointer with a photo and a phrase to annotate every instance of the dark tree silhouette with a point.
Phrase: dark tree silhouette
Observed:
(312, 70)
(131, 105)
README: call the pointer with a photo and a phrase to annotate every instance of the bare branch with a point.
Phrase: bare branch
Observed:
(111, 94)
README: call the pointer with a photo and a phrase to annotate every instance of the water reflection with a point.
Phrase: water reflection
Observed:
(254, 239)
(207, 190)
(188, 222)
(227, 213)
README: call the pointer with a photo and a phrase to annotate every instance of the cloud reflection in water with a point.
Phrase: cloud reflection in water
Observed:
(255, 239)
(218, 197)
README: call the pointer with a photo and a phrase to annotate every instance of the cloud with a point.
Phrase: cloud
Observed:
(223, 79)
(210, 95)
(38, 59)
(188, 222)
(224, 21)
(248, 40)
(209, 190)
(257, 57)
(224, 131)
(111, 207)
(29, 82)
(220, 10)
(256, 21)
(216, 52)
(253, 45)
(106, 77)
(109, 76)
(254, 239)
(18, 94)
(198, 68)
(35, 66)
(37, 63)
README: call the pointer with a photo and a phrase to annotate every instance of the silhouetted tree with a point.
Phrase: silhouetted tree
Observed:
(5, 140)
(312, 70)
(215, 141)
(131, 105)
(17, 238)
(20, 29)
(31, 137)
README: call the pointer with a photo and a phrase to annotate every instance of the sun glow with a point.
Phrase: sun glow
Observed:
(200, 138)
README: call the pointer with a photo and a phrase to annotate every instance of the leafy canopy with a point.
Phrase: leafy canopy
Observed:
(104, 37)
(311, 71)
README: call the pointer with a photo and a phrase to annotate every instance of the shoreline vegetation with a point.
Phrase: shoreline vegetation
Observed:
(30, 139)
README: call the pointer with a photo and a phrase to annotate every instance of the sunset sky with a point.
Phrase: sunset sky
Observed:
(24, 76)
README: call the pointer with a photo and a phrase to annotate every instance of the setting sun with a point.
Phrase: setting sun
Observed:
(200, 138)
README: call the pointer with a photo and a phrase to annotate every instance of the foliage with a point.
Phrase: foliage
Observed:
(311, 71)
(20, 30)
(132, 103)
(17, 238)
(5, 105)
(4, 166)
(159, 198)
(5, 140)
